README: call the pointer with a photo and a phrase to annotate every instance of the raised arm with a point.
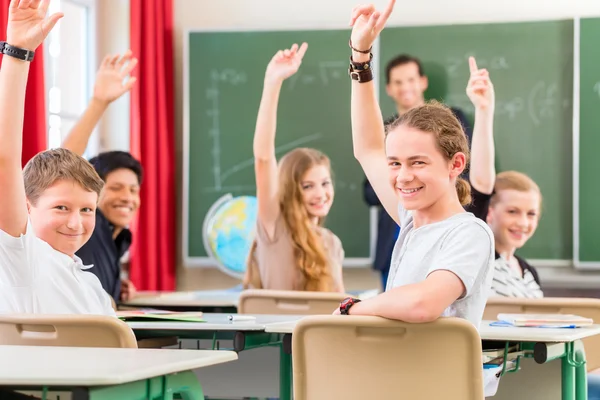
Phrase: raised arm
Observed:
(110, 85)
(27, 28)
(481, 92)
(283, 65)
(368, 134)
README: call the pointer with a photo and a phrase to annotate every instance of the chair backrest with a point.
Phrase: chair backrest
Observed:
(65, 330)
(588, 308)
(290, 302)
(365, 357)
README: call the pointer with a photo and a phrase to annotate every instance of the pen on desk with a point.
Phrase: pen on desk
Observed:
(236, 317)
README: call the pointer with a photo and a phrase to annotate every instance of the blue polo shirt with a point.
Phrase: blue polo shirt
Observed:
(104, 253)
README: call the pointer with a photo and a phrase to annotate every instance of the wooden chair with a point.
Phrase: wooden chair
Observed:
(289, 302)
(588, 308)
(65, 330)
(364, 357)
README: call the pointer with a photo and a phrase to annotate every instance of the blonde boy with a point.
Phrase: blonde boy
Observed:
(47, 211)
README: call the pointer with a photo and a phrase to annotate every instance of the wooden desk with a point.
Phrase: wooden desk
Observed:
(215, 322)
(203, 300)
(246, 335)
(107, 373)
(546, 335)
(213, 301)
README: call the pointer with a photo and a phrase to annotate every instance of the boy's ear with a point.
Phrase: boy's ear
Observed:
(28, 207)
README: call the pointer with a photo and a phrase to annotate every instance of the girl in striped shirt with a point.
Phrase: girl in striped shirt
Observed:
(513, 216)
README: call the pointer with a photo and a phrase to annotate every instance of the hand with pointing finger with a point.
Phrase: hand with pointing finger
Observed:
(480, 88)
(285, 63)
(110, 78)
(367, 23)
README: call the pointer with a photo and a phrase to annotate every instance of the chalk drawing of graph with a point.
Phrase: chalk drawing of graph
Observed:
(219, 173)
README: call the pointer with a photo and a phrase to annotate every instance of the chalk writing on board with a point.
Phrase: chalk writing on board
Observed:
(278, 150)
(213, 94)
(456, 64)
(597, 88)
(511, 108)
(323, 73)
(220, 180)
(228, 75)
(543, 101)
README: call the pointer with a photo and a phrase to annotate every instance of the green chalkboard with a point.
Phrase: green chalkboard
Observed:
(224, 78)
(589, 141)
(531, 65)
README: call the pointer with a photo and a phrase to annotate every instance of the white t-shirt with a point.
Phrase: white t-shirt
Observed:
(36, 279)
(461, 244)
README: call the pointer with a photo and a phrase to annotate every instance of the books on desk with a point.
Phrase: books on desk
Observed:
(161, 315)
(544, 320)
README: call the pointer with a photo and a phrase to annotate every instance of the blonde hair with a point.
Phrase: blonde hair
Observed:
(309, 252)
(513, 180)
(50, 166)
(450, 138)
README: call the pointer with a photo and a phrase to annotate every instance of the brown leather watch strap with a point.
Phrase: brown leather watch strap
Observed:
(362, 76)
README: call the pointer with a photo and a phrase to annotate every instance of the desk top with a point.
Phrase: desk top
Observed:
(216, 322)
(86, 366)
(488, 332)
(281, 327)
(548, 335)
(201, 298)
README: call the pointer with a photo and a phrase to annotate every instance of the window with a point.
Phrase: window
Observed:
(69, 59)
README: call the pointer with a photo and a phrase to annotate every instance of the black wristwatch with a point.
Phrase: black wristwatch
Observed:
(16, 52)
(346, 304)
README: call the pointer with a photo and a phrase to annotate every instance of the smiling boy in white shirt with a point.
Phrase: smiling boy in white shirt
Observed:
(47, 211)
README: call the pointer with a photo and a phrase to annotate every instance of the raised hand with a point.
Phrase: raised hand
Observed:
(28, 25)
(110, 79)
(367, 23)
(285, 63)
(480, 88)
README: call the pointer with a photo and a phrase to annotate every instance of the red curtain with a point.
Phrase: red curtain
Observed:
(152, 142)
(34, 129)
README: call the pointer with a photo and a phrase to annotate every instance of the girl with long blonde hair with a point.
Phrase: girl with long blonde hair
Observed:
(292, 249)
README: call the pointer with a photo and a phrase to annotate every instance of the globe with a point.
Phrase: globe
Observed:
(229, 229)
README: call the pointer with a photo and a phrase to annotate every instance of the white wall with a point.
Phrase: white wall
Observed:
(112, 27)
(335, 13)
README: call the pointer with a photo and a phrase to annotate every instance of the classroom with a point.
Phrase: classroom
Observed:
(320, 200)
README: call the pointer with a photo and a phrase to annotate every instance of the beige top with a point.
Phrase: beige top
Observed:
(73, 366)
(276, 262)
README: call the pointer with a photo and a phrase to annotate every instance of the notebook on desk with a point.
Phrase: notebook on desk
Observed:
(545, 320)
(161, 315)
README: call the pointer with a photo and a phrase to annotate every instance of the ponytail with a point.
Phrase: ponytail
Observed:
(463, 189)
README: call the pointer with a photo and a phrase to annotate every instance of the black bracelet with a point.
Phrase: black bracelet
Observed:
(16, 52)
(359, 51)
